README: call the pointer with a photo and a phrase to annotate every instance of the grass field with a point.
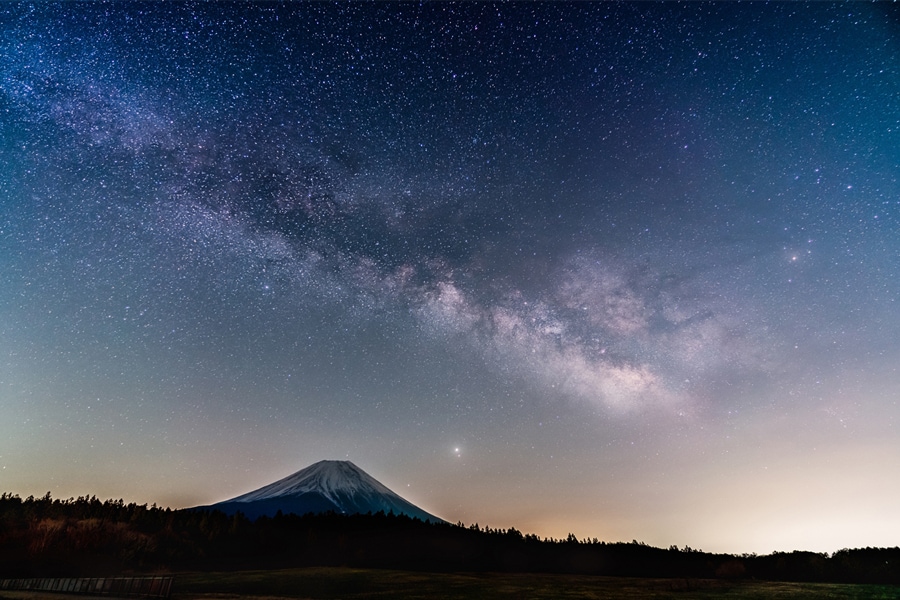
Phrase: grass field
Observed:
(357, 584)
(354, 584)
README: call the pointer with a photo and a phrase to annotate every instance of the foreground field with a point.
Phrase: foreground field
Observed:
(352, 584)
(356, 584)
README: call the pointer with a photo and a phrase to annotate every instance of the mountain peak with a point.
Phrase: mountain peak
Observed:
(327, 477)
(328, 485)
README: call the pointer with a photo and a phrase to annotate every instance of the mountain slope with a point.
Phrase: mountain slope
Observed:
(328, 485)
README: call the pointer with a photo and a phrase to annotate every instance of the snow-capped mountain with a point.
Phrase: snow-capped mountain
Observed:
(328, 485)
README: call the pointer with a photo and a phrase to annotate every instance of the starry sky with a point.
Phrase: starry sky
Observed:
(629, 271)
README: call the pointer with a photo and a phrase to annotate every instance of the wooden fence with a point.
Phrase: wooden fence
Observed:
(143, 587)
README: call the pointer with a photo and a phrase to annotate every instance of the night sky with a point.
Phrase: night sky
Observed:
(629, 271)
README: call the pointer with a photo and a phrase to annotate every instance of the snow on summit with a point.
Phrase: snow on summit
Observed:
(326, 486)
(327, 477)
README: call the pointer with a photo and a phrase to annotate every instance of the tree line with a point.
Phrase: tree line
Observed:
(47, 537)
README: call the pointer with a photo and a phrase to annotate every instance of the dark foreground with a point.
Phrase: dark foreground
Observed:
(218, 557)
(370, 583)
(87, 538)
(351, 584)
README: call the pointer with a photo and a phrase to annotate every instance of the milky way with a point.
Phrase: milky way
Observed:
(623, 270)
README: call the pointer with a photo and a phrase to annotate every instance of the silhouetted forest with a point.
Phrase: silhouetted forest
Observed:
(86, 537)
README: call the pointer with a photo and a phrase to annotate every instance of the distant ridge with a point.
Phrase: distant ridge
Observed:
(326, 486)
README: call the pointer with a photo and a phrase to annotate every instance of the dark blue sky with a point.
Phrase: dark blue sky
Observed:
(624, 270)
